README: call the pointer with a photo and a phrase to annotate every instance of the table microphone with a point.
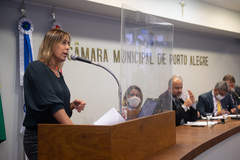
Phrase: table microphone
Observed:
(235, 94)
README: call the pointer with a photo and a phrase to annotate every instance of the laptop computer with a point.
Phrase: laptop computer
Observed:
(149, 107)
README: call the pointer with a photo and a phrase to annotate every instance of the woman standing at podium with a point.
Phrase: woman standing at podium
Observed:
(47, 97)
(132, 100)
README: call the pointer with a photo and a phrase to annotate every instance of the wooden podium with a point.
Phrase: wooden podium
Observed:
(133, 139)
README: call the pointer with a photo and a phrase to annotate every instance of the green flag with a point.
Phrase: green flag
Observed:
(2, 126)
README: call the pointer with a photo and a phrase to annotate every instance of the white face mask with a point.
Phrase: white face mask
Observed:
(219, 97)
(133, 101)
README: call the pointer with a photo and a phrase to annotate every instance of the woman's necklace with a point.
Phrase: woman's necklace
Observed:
(55, 71)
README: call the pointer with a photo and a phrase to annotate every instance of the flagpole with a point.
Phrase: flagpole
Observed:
(2, 125)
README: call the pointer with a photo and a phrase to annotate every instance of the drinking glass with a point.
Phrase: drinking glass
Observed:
(209, 118)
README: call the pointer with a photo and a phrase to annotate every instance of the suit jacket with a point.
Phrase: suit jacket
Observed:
(165, 102)
(205, 103)
(234, 97)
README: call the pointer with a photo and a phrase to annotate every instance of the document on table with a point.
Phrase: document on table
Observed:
(221, 117)
(200, 123)
(233, 115)
(110, 118)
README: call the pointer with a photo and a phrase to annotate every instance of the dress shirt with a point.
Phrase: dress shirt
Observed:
(185, 96)
(183, 106)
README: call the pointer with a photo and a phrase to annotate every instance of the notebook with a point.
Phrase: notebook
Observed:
(149, 107)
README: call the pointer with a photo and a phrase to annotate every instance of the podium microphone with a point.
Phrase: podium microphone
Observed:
(235, 94)
(75, 57)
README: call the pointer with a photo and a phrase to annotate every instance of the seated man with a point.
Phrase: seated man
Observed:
(215, 100)
(184, 110)
(233, 88)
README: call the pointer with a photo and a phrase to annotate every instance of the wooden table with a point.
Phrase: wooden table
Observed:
(192, 141)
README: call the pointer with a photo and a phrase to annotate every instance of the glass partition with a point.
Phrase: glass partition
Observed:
(145, 65)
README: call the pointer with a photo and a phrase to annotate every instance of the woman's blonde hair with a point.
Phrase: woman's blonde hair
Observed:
(50, 42)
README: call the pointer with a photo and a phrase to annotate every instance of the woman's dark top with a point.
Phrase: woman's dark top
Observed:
(44, 94)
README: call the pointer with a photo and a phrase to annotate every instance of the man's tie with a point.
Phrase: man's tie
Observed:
(219, 106)
(177, 102)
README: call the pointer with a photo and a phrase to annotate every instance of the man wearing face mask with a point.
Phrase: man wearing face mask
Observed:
(216, 100)
(173, 99)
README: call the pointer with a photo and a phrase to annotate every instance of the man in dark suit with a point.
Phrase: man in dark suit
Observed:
(233, 88)
(185, 110)
(208, 102)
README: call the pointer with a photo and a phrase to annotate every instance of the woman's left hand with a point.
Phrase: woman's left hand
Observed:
(77, 104)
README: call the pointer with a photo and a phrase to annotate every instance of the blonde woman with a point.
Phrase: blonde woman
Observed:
(132, 100)
(47, 97)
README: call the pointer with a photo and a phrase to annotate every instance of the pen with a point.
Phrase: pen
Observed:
(198, 126)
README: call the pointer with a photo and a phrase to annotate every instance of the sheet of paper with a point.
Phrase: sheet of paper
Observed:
(110, 118)
(233, 115)
(200, 123)
(221, 117)
(217, 117)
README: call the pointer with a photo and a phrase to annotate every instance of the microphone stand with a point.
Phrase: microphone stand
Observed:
(119, 86)
(75, 57)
